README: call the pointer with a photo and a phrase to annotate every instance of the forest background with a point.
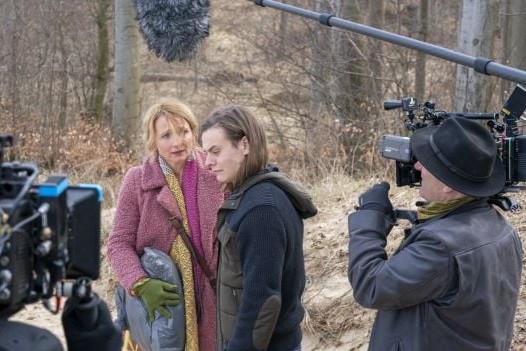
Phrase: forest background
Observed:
(75, 77)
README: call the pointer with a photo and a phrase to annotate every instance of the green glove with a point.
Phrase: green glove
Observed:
(156, 295)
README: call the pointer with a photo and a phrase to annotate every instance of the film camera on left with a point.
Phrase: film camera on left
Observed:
(49, 237)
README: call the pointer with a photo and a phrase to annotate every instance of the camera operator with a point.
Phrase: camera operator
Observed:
(453, 283)
(87, 326)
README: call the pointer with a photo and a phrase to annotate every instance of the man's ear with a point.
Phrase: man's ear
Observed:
(452, 193)
(244, 145)
(446, 189)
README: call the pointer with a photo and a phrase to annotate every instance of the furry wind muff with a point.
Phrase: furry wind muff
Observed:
(173, 29)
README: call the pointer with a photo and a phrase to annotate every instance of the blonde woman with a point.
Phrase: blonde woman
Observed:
(172, 183)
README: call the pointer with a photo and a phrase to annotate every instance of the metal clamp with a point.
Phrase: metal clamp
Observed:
(325, 18)
(480, 64)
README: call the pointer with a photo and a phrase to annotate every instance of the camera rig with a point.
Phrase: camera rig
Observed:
(511, 145)
(48, 233)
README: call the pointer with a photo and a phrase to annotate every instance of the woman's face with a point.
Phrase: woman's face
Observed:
(223, 157)
(175, 145)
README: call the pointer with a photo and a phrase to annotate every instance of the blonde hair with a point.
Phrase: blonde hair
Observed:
(238, 122)
(173, 110)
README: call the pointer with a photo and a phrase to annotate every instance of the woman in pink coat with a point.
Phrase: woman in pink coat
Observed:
(172, 183)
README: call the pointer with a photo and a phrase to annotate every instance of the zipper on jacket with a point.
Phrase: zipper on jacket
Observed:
(234, 293)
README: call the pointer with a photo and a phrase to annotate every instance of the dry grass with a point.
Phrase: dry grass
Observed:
(84, 151)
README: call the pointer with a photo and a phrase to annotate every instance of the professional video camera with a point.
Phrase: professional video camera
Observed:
(48, 233)
(510, 143)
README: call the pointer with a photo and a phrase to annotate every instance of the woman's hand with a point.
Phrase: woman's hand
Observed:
(156, 295)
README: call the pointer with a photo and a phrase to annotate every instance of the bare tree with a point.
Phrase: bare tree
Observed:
(103, 57)
(14, 58)
(348, 65)
(46, 65)
(518, 29)
(517, 56)
(319, 85)
(513, 45)
(126, 102)
(349, 89)
(420, 67)
(320, 64)
(505, 28)
(375, 18)
(476, 36)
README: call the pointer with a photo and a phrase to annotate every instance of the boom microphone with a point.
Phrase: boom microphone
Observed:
(173, 29)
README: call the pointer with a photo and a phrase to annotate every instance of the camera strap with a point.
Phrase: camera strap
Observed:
(193, 252)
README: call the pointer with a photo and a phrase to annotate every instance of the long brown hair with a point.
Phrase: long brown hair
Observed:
(238, 122)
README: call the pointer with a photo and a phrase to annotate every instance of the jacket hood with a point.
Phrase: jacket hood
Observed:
(298, 195)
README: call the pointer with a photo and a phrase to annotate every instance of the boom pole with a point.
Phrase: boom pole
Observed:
(479, 64)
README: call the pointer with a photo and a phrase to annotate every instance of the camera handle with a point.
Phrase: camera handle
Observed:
(87, 311)
(505, 203)
(85, 302)
(409, 215)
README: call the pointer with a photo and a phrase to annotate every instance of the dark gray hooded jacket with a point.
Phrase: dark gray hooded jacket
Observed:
(261, 273)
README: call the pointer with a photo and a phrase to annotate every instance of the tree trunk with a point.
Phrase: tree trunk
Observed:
(475, 38)
(14, 64)
(320, 65)
(349, 89)
(283, 24)
(103, 57)
(420, 67)
(348, 68)
(319, 91)
(126, 103)
(375, 18)
(505, 25)
(64, 80)
(518, 34)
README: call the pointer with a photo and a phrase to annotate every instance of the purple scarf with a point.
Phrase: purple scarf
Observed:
(189, 188)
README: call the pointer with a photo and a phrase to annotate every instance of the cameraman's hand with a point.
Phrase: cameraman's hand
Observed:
(83, 335)
(156, 295)
(377, 198)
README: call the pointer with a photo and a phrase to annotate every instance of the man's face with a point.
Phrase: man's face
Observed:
(223, 157)
(432, 189)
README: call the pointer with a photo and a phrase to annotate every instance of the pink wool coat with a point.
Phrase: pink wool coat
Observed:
(144, 207)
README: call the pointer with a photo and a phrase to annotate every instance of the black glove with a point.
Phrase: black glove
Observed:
(377, 198)
(88, 326)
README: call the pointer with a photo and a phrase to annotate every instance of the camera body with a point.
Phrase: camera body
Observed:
(510, 144)
(397, 148)
(48, 233)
